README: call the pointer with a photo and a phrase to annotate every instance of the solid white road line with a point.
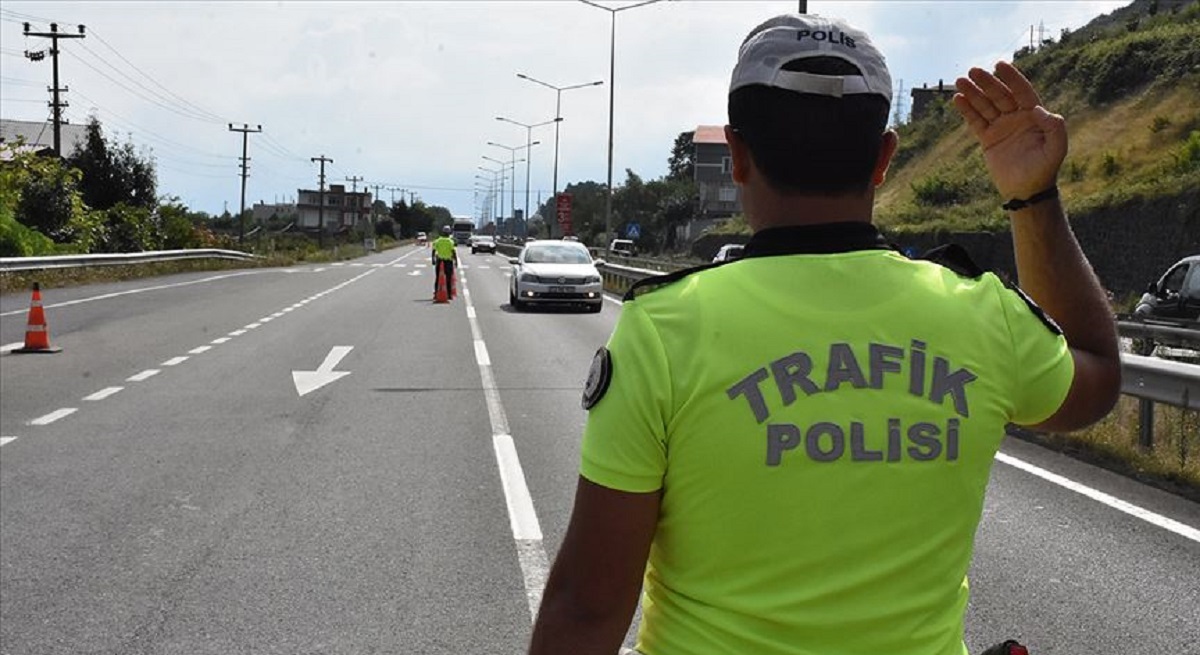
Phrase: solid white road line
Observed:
(4, 440)
(174, 361)
(481, 354)
(7, 348)
(199, 349)
(54, 416)
(103, 393)
(144, 375)
(611, 299)
(1146, 515)
(522, 517)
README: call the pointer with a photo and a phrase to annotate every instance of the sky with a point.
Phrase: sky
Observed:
(405, 95)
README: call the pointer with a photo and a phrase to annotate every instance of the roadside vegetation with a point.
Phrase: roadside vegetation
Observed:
(1127, 84)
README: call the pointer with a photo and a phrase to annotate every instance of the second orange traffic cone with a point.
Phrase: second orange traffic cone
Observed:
(37, 333)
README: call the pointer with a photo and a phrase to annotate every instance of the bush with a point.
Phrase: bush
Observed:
(1076, 170)
(131, 229)
(939, 191)
(1187, 158)
(17, 240)
(1109, 166)
(1159, 124)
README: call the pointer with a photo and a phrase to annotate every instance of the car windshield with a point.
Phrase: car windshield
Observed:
(556, 254)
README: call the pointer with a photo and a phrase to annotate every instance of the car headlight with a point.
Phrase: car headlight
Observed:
(592, 279)
(528, 277)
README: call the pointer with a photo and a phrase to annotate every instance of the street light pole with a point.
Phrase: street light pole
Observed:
(558, 117)
(528, 154)
(612, 88)
(513, 189)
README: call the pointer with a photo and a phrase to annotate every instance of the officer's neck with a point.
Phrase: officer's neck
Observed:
(765, 208)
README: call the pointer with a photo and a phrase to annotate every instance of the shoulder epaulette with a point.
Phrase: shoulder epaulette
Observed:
(648, 284)
(955, 258)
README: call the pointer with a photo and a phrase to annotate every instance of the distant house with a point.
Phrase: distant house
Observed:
(343, 209)
(713, 174)
(926, 99)
(39, 135)
(263, 211)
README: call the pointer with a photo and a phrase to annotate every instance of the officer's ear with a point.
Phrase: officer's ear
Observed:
(887, 150)
(740, 155)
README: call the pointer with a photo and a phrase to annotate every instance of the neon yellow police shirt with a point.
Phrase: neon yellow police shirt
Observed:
(443, 247)
(821, 428)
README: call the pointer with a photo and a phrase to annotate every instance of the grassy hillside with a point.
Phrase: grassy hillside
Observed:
(1129, 86)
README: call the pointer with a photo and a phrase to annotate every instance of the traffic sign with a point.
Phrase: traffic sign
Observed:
(563, 211)
(633, 231)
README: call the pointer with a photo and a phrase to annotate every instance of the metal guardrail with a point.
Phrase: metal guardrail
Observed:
(1152, 333)
(13, 264)
(1152, 380)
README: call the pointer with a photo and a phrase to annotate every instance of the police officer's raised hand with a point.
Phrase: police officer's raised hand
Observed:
(1023, 144)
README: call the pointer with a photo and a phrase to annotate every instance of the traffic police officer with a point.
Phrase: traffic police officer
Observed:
(445, 256)
(789, 453)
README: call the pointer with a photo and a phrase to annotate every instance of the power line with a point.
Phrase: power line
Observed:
(137, 93)
(198, 109)
(152, 92)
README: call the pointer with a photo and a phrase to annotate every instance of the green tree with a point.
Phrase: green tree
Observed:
(113, 173)
(681, 165)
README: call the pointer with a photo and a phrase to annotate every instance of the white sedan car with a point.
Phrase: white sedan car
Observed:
(555, 272)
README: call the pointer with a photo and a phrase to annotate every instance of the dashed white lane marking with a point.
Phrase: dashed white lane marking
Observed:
(414, 273)
(219, 341)
(265, 319)
(339, 264)
(356, 264)
(400, 266)
(482, 267)
(420, 265)
(103, 393)
(319, 270)
(252, 326)
(1146, 515)
(522, 517)
(54, 416)
(4, 440)
(139, 377)
(9, 347)
(116, 294)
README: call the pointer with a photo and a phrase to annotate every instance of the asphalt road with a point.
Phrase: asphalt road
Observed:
(202, 505)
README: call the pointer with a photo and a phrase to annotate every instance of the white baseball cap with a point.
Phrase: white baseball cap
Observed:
(789, 37)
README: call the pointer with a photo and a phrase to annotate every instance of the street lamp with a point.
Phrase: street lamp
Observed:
(557, 115)
(612, 87)
(529, 155)
(491, 192)
(512, 150)
(497, 172)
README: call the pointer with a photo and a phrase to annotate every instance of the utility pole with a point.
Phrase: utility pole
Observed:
(245, 166)
(803, 7)
(321, 201)
(57, 105)
(354, 180)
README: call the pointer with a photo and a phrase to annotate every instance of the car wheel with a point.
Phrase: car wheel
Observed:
(512, 300)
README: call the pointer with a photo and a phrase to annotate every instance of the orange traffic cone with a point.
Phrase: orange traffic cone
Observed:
(453, 285)
(37, 333)
(442, 295)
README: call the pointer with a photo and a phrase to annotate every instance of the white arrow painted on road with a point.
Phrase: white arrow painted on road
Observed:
(309, 381)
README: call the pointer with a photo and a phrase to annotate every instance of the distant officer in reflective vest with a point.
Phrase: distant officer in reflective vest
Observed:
(788, 453)
(445, 256)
